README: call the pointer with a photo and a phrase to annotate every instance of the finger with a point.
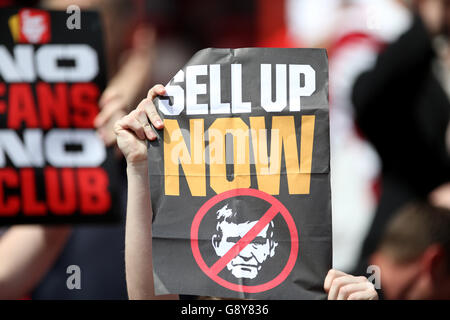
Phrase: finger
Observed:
(122, 126)
(107, 130)
(107, 112)
(157, 90)
(108, 136)
(332, 274)
(370, 294)
(347, 290)
(108, 95)
(142, 118)
(130, 122)
(110, 139)
(338, 283)
(150, 109)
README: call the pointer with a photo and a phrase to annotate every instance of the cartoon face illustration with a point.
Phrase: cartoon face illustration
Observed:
(230, 229)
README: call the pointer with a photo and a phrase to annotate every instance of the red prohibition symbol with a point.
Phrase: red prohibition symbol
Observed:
(214, 270)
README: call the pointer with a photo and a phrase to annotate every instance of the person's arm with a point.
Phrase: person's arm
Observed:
(26, 254)
(132, 132)
(342, 286)
(129, 83)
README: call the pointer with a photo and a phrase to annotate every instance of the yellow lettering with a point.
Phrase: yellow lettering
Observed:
(241, 158)
(283, 134)
(176, 153)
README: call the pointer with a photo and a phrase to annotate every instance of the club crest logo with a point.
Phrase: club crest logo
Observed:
(30, 26)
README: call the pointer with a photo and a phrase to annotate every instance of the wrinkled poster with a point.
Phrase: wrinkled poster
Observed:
(240, 176)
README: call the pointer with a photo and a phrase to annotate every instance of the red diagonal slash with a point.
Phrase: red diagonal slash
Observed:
(244, 241)
(214, 271)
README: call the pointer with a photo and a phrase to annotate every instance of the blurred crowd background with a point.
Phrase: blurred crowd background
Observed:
(389, 111)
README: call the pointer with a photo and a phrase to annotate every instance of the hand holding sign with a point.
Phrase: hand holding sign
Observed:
(342, 286)
(133, 129)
